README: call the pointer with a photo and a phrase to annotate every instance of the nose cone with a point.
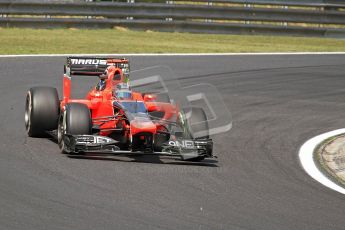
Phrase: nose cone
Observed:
(140, 125)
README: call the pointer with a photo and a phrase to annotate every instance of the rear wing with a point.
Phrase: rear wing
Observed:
(89, 66)
(94, 66)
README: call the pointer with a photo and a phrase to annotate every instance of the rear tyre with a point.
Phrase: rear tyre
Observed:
(41, 110)
(194, 123)
(75, 120)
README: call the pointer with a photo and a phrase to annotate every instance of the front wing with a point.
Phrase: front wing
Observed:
(183, 148)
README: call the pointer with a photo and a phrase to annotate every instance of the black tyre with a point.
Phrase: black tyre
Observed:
(161, 138)
(41, 110)
(194, 123)
(75, 120)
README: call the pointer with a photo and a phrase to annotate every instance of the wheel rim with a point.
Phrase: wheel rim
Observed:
(61, 131)
(28, 109)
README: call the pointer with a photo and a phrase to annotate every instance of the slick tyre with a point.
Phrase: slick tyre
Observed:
(74, 120)
(41, 111)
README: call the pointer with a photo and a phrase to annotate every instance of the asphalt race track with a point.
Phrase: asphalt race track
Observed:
(277, 102)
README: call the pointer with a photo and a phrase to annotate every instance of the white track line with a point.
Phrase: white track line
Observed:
(306, 157)
(176, 54)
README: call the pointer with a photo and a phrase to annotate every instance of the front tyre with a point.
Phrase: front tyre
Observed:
(41, 110)
(194, 123)
(74, 120)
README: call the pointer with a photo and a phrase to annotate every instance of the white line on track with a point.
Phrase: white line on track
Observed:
(306, 157)
(175, 54)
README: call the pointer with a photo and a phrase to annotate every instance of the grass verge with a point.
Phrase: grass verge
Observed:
(120, 40)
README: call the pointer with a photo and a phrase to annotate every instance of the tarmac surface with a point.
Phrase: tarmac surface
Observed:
(277, 103)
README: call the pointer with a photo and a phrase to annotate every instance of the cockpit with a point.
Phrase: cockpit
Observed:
(123, 94)
(123, 91)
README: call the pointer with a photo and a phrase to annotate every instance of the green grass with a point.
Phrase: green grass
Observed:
(47, 41)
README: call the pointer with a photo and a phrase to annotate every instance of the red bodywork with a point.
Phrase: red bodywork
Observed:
(100, 103)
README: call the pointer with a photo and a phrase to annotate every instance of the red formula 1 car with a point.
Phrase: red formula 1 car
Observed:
(113, 118)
